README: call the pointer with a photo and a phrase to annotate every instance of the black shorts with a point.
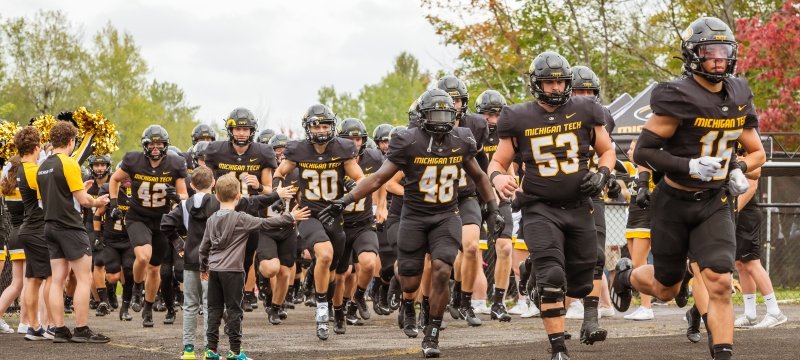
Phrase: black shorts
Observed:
(438, 235)
(280, 244)
(388, 243)
(359, 239)
(115, 258)
(469, 210)
(688, 224)
(638, 223)
(64, 243)
(37, 255)
(748, 234)
(562, 235)
(312, 231)
(13, 240)
(148, 233)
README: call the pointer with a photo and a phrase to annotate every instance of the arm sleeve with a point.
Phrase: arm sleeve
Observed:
(648, 153)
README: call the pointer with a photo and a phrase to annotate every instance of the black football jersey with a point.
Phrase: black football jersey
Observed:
(710, 123)
(321, 175)
(292, 179)
(222, 158)
(94, 191)
(431, 177)
(361, 211)
(149, 184)
(114, 231)
(554, 147)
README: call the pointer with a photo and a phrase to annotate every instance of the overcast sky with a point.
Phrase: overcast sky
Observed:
(269, 56)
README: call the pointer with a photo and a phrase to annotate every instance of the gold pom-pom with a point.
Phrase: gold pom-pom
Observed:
(7, 132)
(105, 133)
(44, 123)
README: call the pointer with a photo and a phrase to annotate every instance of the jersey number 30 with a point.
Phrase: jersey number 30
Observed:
(321, 184)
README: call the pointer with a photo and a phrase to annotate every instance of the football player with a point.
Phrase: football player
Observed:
(553, 135)
(431, 157)
(253, 163)
(157, 179)
(697, 121)
(323, 160)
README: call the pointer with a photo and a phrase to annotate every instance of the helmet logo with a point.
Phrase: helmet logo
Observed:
(453, 93)
(440, 106)
(720, 37)
(230, 123)
(156, 138)
(556, 74)
(587, 84)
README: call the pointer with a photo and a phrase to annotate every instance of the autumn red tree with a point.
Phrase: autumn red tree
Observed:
(770, 57)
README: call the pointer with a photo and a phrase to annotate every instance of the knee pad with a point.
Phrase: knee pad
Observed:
(550, 274)
(550, 295)
(669, 276)
(409, 267)
(387, 272)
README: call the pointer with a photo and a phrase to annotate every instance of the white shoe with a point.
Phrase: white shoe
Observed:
(479, 306)
(641, 314)
(744, 322)
(22, 328)
(771, 321)
(520, 308)
(322, 314)
(533, 311)
(4, 328)
(575, 311)
(605, 312)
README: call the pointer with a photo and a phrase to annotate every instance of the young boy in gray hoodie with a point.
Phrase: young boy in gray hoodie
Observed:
(190, 217)
(222, 262)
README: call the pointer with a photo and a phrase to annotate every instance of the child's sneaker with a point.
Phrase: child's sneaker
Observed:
(211, 355)
(4, 328)
(188, 353)
(240, 356)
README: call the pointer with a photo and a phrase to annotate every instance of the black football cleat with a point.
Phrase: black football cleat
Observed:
(622, 294)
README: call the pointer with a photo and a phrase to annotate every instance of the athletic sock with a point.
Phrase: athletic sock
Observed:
(750, 306)
(723, 351)
(590, 308)
(360, 292)
(322, 298)
(276, 307)
(148, 306)
(499, 294)
(436, 322)
(103, 294)
(331, 290)
(772, 304)
(557, 342)
(466, 299)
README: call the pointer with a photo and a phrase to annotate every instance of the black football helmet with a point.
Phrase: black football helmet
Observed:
(351, 128)
(99, 159)
(396, 130)
(202, 132)
(265, 135)
(437, 112)
(708, 37)
(584, 78)
(490, 101)
(319, 114)
(199, 152)
(381, 132)
(279, 140)
(550, 65)
(457, 90)
(241, 117)
(155, 134)
(370, 144)
(413, 114)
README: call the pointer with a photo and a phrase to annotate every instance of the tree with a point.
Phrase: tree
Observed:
(389, 99)
(343, 104)
(46, 59)
(770, 54)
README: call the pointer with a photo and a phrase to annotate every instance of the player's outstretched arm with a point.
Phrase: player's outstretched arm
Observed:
(371, 183)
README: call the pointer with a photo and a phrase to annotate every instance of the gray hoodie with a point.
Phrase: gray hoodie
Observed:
(225, 239)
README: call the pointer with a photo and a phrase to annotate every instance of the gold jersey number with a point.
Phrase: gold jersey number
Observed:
(438, 185)
(547, 162)
(322, 185)
(152, 194)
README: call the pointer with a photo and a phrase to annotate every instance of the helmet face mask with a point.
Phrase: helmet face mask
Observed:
(203, 132)
(352, 128)
(313, 123)
(457, 89)
(585, 82)
(438, 114)
(550, 66)
(96, 160)
(709, 38)
(241, 118)
(155, 142)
